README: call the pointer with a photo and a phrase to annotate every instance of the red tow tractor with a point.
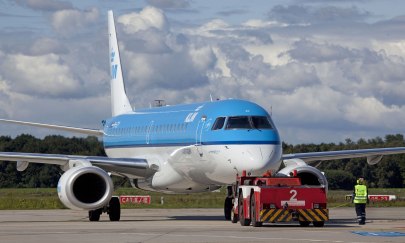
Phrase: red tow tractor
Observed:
(259, 200)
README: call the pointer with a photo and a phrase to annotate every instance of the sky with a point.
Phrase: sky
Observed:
(326, 70)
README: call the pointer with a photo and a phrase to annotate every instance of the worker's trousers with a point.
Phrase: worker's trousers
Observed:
(361, 212)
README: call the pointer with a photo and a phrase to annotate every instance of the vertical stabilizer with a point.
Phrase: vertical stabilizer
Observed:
(119, 100)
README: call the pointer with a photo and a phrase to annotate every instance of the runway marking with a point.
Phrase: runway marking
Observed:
(243, 237)
(166, 234)
(379, 233)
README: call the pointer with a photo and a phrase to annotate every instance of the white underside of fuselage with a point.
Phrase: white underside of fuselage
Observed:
(198, 168)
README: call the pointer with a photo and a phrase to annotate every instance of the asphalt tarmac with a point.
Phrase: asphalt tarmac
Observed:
(193, 225)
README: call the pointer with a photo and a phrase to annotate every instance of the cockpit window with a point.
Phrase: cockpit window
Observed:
(248, 122)
(238, 122)
(219, 123)
(261, 122)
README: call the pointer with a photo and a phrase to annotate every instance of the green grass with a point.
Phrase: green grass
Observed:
(29, 198)
(47, 198)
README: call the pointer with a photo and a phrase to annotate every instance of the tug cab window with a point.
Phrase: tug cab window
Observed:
(248, 122)
(219, 123)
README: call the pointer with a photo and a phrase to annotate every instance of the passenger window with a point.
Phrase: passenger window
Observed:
(261, 122)
(238, 122)
(218, 124)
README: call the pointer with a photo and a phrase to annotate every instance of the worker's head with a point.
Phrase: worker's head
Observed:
(360, 181)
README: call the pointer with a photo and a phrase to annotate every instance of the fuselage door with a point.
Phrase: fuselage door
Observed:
(149, 131)
(199, 130)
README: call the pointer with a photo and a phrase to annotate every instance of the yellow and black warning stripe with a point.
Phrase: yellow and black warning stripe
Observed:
(285, 215)
(275, 215)
(313, 214)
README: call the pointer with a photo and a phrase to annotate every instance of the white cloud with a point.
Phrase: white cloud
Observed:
(169, 4)
(152, 70)
(327, 78)
(72, 21)
(307, 51)
(148, 18)
(259, 23)
(45, 5)
(300, 14)
(39, 75)
(371, 112)
(202, 58)
(4, 96)
(157, 58)
(45, 46)
(392, 48)
(292, 76)
(306, 106)
(90, 110)
(215, 24)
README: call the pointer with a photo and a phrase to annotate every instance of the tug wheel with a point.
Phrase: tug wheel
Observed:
(242, 220)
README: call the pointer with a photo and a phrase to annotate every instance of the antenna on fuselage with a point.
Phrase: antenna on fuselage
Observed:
(160, 103)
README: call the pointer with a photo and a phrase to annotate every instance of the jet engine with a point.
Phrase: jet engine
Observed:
(309, 175)
(85, 187)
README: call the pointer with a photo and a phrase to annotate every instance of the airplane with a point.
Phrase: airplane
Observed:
(185, 148)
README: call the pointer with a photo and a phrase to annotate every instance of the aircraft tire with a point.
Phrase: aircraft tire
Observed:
(114, 209)
(94, 215)
(228, 208)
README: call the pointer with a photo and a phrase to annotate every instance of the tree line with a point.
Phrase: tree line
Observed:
(341, 174)
(41, 175)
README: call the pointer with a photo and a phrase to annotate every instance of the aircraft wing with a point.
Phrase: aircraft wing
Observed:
(87, 131)
(373, 155)
(136, 167)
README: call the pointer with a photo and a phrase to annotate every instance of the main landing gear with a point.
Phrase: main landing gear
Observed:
(113, 209)
(228, 204)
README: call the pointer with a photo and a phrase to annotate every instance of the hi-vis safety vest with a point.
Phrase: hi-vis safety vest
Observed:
(360, 194)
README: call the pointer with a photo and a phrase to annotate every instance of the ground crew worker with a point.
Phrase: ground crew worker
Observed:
(360, 198)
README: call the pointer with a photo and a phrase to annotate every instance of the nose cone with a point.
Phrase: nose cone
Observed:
(257, 159)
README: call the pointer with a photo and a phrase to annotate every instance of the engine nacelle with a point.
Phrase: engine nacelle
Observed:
(309, 175)
(85, 187)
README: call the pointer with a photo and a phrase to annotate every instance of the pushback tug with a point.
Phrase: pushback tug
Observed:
(265, 199)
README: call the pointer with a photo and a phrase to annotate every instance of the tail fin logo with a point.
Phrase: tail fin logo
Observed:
(112, 56)
(114, 67)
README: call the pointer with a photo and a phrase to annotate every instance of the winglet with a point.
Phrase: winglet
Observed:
(119, 100)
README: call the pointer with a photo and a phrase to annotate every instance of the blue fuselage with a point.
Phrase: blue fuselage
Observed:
(202, 143)
(183, 125)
